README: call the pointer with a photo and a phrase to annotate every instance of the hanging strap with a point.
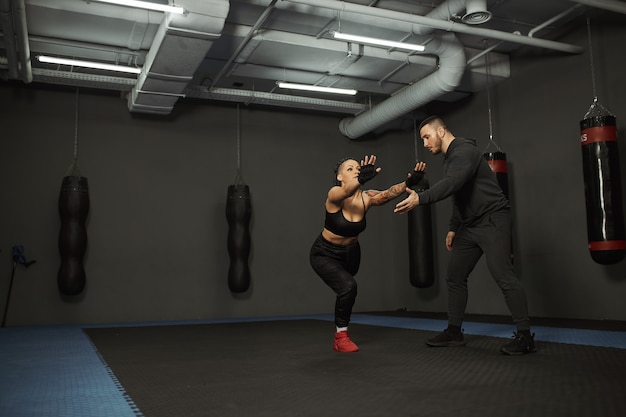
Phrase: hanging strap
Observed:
(491, 141)
(74, 170)
(238, 177)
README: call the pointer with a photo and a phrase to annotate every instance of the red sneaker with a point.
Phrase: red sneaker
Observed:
(343, 343)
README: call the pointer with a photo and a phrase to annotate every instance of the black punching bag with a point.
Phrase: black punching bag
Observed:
(238, 213)
(497, 163)
(421, 258)
(601, 171)
(73, 209)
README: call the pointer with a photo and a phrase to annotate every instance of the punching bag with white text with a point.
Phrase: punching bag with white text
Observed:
(421, 258)
(238, 214)
(603, 190)
(73, 209)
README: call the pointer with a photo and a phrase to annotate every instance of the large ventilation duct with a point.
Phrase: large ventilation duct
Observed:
(179, 47)
(445, 79)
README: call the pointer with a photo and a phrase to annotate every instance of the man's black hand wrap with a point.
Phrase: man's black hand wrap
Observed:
(366, 173)
(414, 179)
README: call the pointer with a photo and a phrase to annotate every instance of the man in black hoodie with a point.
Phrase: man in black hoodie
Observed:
(480, 223)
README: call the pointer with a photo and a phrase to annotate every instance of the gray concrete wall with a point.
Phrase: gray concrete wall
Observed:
(157, 227)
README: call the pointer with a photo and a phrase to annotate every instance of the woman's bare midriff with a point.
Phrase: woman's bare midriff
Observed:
(337, 239)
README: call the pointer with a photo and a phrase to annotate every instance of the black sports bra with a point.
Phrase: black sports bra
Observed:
(339, 225)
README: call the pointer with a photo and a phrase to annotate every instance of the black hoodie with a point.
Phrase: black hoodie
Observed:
(468, 177)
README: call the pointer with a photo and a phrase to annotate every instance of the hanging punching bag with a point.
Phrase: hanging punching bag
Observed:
(421, 258)
(497, 163)
(601, 171)
(238, 213)
(73, 209)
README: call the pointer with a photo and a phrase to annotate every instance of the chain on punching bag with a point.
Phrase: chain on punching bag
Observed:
(601, 171)
(238, 214)
(421, 257)
(73, 210)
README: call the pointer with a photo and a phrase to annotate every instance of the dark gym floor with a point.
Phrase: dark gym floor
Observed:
(105, 370)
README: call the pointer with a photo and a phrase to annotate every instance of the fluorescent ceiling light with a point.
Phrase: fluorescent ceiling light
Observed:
(376, 41)
(145, 5)
(306, 87)
(88, 64)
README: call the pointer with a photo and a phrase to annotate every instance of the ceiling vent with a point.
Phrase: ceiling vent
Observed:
(476, 12)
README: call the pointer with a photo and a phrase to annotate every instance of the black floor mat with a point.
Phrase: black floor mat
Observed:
(288, 368)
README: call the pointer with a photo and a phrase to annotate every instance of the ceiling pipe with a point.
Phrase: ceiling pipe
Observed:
(483, 52)
(556, 18)
(611, 5)
(420, 23)
(447, 77)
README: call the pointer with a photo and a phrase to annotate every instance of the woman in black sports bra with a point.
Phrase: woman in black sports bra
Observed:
(336, 255)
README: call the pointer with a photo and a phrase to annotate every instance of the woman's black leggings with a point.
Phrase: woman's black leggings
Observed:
(337, 265)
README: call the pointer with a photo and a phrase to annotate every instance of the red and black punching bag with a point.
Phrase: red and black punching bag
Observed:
(421, 257)
(497, 163)
(73, 209)
(603, 189)
(238, 213)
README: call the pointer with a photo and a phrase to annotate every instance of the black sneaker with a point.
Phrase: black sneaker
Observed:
(520, 345)
(446, 339)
